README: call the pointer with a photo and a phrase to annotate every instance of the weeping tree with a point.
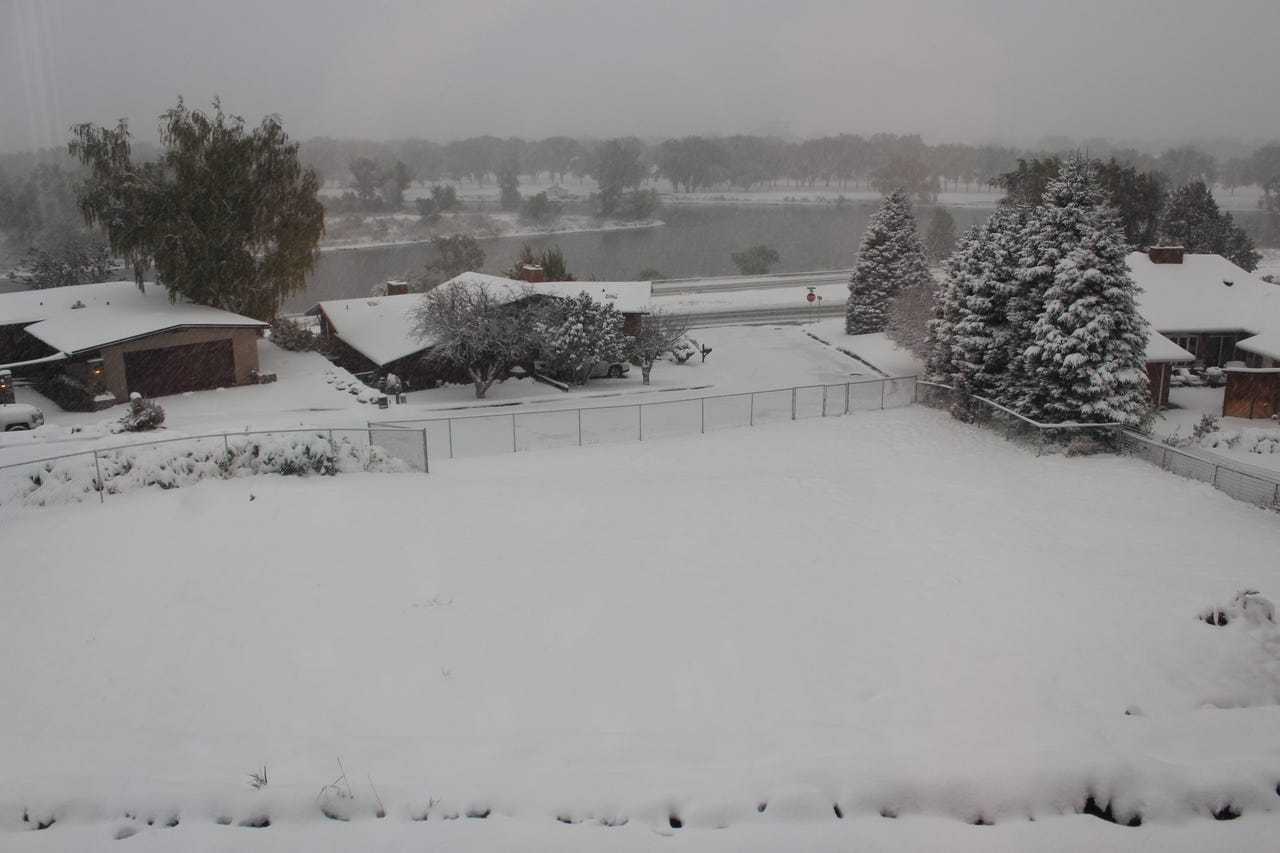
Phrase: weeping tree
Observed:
(227, 215)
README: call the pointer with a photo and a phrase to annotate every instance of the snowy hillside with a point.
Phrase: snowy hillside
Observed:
(787, 631)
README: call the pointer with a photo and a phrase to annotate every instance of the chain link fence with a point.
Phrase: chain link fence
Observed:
(1069, 438)
(485, 434)
(1243, 482)
(1251, 485)
(94, 475)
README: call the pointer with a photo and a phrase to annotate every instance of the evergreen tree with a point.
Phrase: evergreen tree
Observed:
(940, 239)
(891, 257)
(1192, 220)
(971, 338)
(577, 334)
(1085, 342)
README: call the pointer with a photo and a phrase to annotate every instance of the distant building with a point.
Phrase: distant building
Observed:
(111, 339)
(1220, 315)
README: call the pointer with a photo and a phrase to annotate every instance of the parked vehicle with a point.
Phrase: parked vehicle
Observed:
(611, 369)
(16, 416)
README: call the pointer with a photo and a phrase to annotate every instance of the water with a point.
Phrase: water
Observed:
(696, 241)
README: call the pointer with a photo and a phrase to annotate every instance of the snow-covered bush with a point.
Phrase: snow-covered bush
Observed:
(143, 415)
(287, 334)
(1247, 440)
(171, 466)
(1249, 605)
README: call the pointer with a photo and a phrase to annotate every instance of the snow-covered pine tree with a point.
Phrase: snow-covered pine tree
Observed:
(1076, 311)
(891, 257)
(970, 339)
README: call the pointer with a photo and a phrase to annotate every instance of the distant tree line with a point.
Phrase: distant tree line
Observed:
(881, 161)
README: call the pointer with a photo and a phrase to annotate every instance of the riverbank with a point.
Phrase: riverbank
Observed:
(381, 230)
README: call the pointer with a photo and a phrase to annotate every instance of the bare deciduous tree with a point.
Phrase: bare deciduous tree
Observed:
(474, 329)
(660, 334)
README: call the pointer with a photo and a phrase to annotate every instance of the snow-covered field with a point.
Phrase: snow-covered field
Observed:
(888, 613)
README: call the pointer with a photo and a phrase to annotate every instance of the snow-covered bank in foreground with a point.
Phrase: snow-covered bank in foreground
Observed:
(891, 611)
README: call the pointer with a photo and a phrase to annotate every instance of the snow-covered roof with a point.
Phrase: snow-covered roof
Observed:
(629, 297)
(1193, 296)
(90, 316)
(1160, 348)
(30, 306)
(1267, 344)
(378, 327)
(381, 327)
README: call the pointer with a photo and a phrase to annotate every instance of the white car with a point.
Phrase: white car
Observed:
(15, 416)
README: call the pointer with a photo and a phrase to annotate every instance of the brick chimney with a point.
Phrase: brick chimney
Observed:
(397, 288)
(533, 273)
(1165, 254)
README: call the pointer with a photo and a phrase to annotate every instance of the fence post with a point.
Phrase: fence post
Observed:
(640, 418)
(703, 425)
(846, 398)
(102, 487)
(824, 401)
(449, 422)
(1215, 476)
(793, 404)
(751, 414)
(513, 433)
(226, 445)
(330, 438)
(579, 427)
(882, 383)
(426, 464)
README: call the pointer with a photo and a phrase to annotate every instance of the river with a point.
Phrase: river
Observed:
(695, 241)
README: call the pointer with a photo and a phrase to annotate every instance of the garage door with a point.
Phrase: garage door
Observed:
(188, 367)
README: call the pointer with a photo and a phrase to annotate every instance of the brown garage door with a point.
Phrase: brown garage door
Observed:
(188, 367)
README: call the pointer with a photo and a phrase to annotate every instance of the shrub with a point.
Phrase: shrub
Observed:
(287, 334)
(143, 415)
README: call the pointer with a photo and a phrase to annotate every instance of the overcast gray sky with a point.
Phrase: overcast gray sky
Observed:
(965, 70)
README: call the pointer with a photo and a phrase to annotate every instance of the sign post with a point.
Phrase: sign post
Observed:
(811, 298)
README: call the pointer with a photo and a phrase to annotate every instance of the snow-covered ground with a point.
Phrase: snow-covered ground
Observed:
(310, 393)
(1187, 406)
(890, 612)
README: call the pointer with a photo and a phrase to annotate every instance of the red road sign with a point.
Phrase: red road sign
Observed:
(811, 297)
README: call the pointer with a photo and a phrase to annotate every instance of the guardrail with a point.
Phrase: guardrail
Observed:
(478, 435)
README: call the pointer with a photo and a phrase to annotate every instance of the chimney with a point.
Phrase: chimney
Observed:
(533, 273)
(397, 288)
(1165, 254)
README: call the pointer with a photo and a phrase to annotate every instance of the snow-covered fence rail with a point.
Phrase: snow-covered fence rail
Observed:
(1244, 483)
(1071, 437)
(174, 462)
(478, 435)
